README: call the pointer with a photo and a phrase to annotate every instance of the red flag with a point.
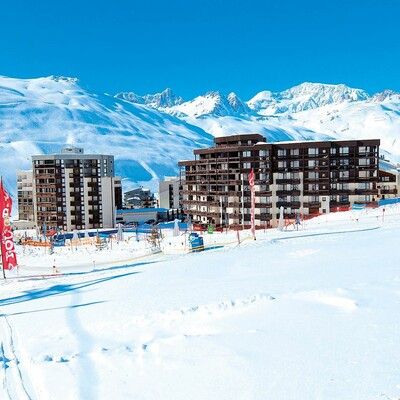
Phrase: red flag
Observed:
(253, 202)
(8, 254)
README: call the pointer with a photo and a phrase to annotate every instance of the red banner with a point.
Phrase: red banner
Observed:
(8, 254)
(253, 202)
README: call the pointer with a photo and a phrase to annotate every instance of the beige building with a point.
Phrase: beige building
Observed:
(73, 190)
(168, 192)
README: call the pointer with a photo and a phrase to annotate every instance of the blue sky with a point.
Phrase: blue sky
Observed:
(197, 46)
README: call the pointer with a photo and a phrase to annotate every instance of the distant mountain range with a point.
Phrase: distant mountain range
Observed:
(307, 111)
(149, 134)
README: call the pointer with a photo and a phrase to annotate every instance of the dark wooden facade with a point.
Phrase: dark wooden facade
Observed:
(309, 177)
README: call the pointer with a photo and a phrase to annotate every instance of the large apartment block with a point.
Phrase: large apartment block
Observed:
(307, 177)
(73, 190)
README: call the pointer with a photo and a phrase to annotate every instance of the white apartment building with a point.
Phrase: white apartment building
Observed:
(74, 190)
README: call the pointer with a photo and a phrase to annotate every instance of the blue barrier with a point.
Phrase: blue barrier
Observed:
(388, 201)
(358, 206)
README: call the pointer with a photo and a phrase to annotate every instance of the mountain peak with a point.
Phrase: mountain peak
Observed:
(165, 99)
(214, 104)
(306, 96)
(386, 96)
(59, 78)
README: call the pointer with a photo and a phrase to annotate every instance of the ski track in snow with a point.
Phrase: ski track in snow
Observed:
(13, 381)
(85, 347)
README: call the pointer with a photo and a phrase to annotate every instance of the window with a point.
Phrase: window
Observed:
(312, 163)
(294, 152)
(363, 162)
(246, 165)
(263, 153)
(312, 151)
(344, 150)
(294, 164)
(364, 149)
(281, 152)
(282, 164)
(294, 175)
(364, 198)
(246, 154)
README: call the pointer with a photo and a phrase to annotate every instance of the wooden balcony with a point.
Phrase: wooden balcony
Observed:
(312, 204)
(388, 191)
(288, 181)
(288, 192)
(372, 192)
(291, 204)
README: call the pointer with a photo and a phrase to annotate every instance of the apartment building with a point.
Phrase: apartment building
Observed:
(139, 198)
(168, 192)
(73, 190)
(307, 177)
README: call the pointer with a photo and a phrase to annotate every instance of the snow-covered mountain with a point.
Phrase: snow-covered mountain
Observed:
(365, 119)
(306, 96)
(163, 100)
(387, 96)
(304, 112)
(212, 104)
(42, 115)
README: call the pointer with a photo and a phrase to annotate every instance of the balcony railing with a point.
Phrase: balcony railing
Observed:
(288, 192)
(312, 204)
(292, 204)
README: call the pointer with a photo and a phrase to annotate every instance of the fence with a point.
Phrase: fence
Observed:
(389, 201)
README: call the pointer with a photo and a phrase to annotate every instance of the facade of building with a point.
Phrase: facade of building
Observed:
(139, 198)
(25, 195)
(307, 177)
(73, 190)
(389, 180)
(168, 192)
